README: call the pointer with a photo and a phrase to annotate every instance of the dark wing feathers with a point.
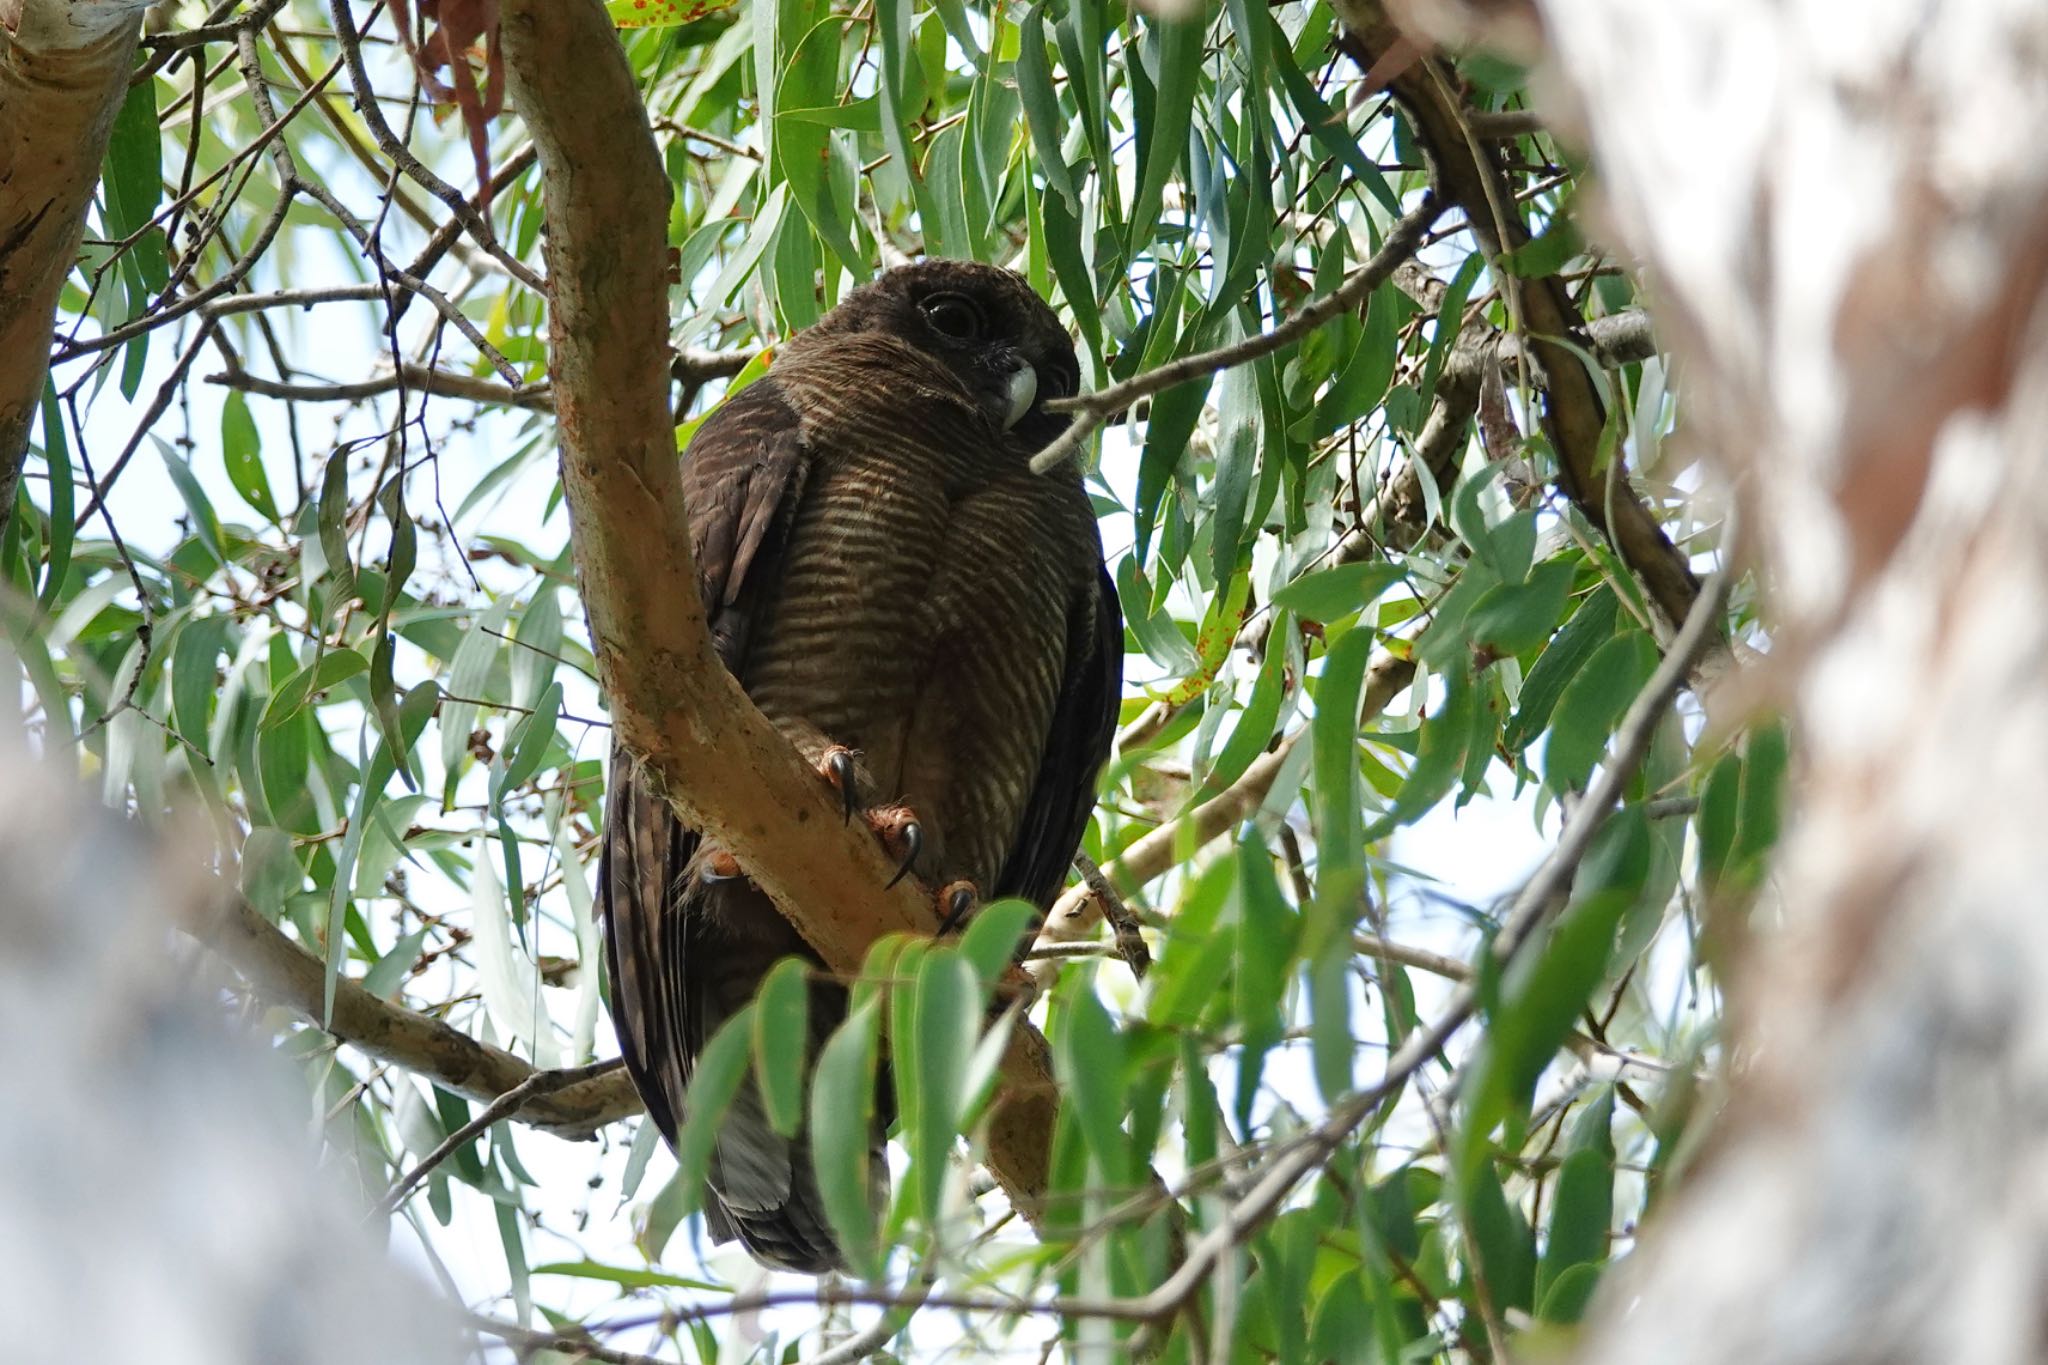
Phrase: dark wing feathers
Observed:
(672, 984)
(1083, 728)
(742, 476)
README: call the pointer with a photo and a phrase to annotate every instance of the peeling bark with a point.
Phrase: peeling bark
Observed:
(1847, 229)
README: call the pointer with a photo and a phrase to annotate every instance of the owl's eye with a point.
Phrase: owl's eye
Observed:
(955, 316)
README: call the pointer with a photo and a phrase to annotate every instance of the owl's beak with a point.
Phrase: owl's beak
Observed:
(1023, 392)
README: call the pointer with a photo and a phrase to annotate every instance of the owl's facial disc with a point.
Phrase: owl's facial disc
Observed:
(1022, 393)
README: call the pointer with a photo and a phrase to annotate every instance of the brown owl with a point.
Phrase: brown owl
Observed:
(926, 620)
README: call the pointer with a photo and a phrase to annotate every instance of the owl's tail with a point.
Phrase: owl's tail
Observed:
(763, 1187)
(685, 956)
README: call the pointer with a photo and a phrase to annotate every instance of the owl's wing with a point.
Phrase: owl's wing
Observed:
(742, 474)
(1083, 728)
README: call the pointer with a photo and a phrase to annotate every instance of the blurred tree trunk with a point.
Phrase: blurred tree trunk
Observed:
(64, 69)
(1846, 220)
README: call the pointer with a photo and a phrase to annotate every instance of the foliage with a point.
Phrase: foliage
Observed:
(328, 601)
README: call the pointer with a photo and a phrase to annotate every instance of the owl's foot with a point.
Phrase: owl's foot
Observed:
(901, 835)
(956, 901)
(837, 767)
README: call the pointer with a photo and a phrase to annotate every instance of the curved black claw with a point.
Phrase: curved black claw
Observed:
(839, 772)
(959, 898)
(912, 835)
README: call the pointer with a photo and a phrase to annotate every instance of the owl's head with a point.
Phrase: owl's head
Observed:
(984, 324)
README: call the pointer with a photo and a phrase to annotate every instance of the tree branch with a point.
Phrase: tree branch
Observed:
(415, 378)
(1572, 413)
(499, 1109)
(63, 74)
(284, 973)
(726, 770)
(1095, 408)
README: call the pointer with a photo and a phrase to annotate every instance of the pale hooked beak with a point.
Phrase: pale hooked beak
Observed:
(1023, 392)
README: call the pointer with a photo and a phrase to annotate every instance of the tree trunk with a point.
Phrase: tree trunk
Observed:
(1845, 218)
(64, 69)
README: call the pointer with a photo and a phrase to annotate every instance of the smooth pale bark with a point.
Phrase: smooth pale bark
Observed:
(64, 69)
(1843, 213)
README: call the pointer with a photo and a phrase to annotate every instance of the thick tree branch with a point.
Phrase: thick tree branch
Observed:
(64, 68)
(1572, 413)
(727, 771)
(285, 974)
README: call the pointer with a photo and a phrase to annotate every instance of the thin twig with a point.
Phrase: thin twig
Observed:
(1094, 408)
(366, 104)
(414, 377)
(539, 1083)
(1130, 940)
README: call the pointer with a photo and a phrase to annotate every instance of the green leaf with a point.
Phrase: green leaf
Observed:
(1362, 383)
(1175, 414)
(133, 181)
(1334, 736)
(1450, 320)
(948, 1021)
(1590, 627)
(628, 1276)
(57, 456)
(1511, 618)
(1440, 753)
(1582, 1207)
(389, 971)
(994, 937)
(1552, 981)
(1763, 789)
(333, 524)
(1237, 446)
(1592, 704)
(1322, 123)
(1500, 1237)
(1260, 717)
(842, 1118)
(714, 1083)
(1332, 594)
(528, 744)
(1332, 1046)
(538, 642)
(782, 1023)
(1041, 106)
(270, 870)
(1547, 254)
(1571, 1293)
(338, 896)
(1717, 819)
(242, 449)
(205, 524)
(333, 667)
(1090, 1055)
(467, 675)
(193, 684)
(1178, 43)
(1157, 633)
